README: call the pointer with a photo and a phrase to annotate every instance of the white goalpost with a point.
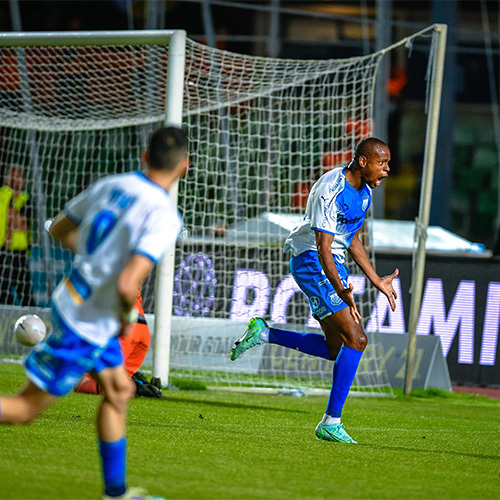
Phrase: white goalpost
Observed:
(78, 106)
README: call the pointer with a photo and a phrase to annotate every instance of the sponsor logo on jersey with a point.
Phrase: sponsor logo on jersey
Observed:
(322, 282)
(314, 302)
(344, 220)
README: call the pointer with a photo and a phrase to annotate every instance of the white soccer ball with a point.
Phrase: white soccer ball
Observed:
(29, 330)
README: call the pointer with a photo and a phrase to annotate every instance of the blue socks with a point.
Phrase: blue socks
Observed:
(113, 459)
(308, 343)
(314, 344)
(344, 371)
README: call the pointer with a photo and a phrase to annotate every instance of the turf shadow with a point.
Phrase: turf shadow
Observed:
(437, 452)
(232, 405)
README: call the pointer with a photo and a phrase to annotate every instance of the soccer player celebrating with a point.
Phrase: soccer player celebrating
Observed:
(118, 229)
(335, 212)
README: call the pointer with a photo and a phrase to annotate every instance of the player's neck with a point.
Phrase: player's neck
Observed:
(165, 179)
(353, 176)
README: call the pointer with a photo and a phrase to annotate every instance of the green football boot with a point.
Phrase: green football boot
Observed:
(250, 338)
(335, 433)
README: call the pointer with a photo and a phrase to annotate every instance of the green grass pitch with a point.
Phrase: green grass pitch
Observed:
(218, 445)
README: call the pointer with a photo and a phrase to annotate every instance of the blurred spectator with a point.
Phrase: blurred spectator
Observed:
(300, 195)
(10, 82)
(397, 82)
(15, 240)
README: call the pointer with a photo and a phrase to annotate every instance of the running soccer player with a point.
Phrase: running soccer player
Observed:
(335, 212)
(118, 228)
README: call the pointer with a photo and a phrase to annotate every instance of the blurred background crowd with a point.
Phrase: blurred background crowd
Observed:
(466, 185)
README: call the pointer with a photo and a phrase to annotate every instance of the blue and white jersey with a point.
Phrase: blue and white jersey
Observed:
(333, 207)
(118, 216)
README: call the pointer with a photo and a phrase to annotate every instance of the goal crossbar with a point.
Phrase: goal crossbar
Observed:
(85, 38)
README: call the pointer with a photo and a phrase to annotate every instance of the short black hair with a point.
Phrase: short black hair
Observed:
(167, 147)
(365, 146)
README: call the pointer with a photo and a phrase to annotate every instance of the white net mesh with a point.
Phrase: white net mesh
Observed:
(68, 116)
(82, 88)
(261, 132)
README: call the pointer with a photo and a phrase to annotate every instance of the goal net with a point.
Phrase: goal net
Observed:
(261, 131)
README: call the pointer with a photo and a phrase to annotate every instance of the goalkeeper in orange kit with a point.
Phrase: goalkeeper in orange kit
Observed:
(134, 348)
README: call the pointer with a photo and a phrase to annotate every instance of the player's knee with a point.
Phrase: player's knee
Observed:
(356, 339)
(121, 393)
(360, 341)
(126, 391)
(129, 390)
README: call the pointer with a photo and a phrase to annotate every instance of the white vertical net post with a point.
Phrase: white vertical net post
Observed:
(425, 200)
(165, 275)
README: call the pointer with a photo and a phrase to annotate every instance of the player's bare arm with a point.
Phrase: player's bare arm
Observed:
(130, 280)
(324, 245)
(65, 231)
(358, 253)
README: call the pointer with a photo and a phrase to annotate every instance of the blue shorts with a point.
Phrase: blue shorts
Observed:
(309, 275)
(57, 364)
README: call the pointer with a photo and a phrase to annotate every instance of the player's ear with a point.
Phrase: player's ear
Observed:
(184, 166)
(362, 161)
(145, 156)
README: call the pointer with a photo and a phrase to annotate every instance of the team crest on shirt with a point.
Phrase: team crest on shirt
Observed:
(336, 300)
(366, 200)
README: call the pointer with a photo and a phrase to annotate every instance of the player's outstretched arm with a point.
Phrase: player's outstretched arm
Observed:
(358, 253)
(324, 245)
